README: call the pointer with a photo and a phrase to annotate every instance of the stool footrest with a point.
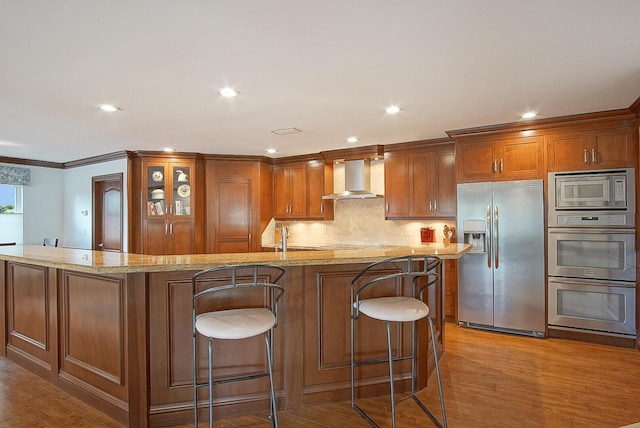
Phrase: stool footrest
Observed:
(379, 360)
(233, 379)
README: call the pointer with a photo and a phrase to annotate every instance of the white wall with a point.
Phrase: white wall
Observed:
(54, 203)
(42, 203)
(77, 199)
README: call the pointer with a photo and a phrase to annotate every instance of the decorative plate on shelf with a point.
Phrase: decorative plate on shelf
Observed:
(156, 176)
(184, 190)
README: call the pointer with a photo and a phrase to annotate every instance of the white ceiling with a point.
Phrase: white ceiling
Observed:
(326, 67)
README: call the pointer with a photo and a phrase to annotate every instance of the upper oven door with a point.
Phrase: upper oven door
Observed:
(592, 253)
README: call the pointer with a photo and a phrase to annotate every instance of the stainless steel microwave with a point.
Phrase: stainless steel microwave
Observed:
(601, 198)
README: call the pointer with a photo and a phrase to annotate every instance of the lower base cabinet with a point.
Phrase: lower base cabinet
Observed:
(122, 342)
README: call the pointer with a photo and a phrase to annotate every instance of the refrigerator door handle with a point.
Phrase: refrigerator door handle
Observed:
(487, 243)
(495, 235)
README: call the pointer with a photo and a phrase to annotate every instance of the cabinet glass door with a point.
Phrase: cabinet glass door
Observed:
(155, 191)
(181, 191)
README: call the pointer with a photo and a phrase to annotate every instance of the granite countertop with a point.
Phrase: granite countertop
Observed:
(107, 262)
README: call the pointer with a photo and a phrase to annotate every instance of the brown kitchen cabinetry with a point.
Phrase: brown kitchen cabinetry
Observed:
(596, 149)
(420, 184)
(238, 195)
(169, 206)
(451, 290)
(519, 158)
(298, 189)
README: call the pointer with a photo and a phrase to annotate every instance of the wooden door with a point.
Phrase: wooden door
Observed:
(107, 213)
(233, 215)
(181, 237)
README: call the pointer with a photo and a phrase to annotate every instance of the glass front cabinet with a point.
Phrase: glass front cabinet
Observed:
(168, 212)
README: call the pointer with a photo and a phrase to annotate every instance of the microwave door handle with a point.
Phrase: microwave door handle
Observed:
(495, 236)
(487, 243)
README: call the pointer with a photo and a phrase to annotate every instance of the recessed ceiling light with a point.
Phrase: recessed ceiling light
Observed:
(272, 151)
(228, 92)
(393, 109)
(352, 139)
(109, 108)
(169, 150)
(529, 115)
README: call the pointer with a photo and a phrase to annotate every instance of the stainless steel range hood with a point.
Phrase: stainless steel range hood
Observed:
(357, 181)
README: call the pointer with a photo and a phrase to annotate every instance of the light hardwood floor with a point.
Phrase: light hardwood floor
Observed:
(491, 380)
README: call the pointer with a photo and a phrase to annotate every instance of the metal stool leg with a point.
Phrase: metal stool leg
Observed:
(393, 400)
(210, 383)
(273, 411)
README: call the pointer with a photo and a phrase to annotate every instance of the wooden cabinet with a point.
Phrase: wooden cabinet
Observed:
(597, 149)
(451, 290)
(169, 212)
(238, 198)
(298, 189)
(508, 159)
(420, 184)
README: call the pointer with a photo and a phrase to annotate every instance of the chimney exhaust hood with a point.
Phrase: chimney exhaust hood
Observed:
(356, 181)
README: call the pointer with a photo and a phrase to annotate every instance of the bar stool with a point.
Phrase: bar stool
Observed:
(214, 319)
(422, 272)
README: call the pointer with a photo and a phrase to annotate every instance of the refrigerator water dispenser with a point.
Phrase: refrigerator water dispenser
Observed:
(475, 233)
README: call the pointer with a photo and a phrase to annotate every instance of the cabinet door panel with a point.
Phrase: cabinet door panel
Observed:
(521, 158)
(566, 151)
(475, 161)
(396, 183)
(445, 184)
(281, 192)
(155, 237)
(613, 148)
(421, 176)
(316, 191)
(298, 185)
(234, 215)
(182, 239)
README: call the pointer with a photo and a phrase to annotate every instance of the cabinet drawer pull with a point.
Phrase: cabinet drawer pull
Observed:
(249, 239)
(430, 205)
(166, 229)
(586, 154)
(501, 165)
(494, 166)
(321, 208)
(387, 206)
(171, 229)
(435, 205)
(594, 156)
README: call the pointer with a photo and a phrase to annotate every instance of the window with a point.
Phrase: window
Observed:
(10, 199)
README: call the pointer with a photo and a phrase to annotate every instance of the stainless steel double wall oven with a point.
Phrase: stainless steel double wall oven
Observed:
(592, 252)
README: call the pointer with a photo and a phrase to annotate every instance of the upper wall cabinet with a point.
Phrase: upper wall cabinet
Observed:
(420, 184)
(597, 149)
(298, 189)
(495, 160)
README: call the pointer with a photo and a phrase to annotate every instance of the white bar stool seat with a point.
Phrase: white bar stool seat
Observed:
(398, 308)
(235, 323)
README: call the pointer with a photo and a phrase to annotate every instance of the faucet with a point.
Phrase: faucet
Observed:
(284, 233)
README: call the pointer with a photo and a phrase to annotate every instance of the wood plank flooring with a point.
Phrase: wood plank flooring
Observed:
(490, 379)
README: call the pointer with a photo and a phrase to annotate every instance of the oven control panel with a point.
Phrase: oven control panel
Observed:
(592, 220)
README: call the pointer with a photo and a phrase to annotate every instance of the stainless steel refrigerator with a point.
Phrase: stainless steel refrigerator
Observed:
(501, 279)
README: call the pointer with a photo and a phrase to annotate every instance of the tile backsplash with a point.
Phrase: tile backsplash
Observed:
(358, 222)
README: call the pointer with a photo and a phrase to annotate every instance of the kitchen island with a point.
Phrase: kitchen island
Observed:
(114, 329)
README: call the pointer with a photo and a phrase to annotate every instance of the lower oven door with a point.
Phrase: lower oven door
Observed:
(608, 254)
(599, 306)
